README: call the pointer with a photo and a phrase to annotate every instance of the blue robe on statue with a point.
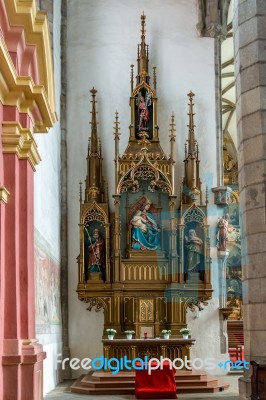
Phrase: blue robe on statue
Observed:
(146, 235)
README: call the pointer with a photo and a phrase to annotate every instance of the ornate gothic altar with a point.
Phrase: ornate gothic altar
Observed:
(151, 262)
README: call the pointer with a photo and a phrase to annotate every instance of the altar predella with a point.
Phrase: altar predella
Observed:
(151, 262)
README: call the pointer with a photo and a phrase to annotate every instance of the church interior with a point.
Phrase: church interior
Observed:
(132, 198)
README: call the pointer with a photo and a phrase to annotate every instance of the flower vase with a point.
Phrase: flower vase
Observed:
(129, 336)
(166, 336)
(110, 337)
(185, 336)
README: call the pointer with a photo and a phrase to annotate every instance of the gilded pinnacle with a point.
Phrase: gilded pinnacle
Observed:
(172, 127)
(116, 125)
(143, 17)
(93, 92)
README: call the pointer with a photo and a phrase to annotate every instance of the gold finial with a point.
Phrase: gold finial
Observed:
(94, 137)
(172, 136)
(207, 197)
(93, 92)
(80, 192)
(154, 78)
(191, 126)
(143, 18)
(116, 126)
(132, 77)
(172, 128)
(143, 54)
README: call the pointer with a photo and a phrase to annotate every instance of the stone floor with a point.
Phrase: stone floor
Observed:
(62, 392)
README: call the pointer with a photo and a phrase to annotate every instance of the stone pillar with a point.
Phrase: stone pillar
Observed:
(249, 25)
(222, 256)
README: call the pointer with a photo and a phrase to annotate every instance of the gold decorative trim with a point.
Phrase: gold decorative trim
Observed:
(4, 193)
(94, 213)
(36, 28)
(20, 141)
(20, 91)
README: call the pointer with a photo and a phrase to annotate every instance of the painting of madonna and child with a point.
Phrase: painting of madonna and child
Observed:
(145, 228)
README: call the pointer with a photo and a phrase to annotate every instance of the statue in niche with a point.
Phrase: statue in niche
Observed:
(96, 252)
(143, 102)
(222, 233)
(193, 245)
(145, 230)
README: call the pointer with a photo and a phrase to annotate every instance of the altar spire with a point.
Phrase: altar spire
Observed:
(94, 180)
(191, 181)
(143, 55)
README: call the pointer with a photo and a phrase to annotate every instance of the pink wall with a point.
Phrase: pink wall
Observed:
(23, 55)
(21, 357)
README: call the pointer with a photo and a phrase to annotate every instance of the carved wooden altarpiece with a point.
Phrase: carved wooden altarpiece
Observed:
(144, 268)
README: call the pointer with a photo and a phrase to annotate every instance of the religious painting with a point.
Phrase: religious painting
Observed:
(94, 251)
(47, 274)
(143, 113)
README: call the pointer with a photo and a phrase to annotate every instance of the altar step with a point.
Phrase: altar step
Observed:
(104, 383)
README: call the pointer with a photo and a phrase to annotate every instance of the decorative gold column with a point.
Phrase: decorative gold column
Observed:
(173, 261)
(117, 239)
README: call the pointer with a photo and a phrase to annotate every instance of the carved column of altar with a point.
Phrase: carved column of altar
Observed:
(81, 254)
(172, 241)
(117, 239)
(181, 227)
(108, 267)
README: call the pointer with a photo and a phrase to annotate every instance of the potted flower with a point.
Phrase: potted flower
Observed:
(111, 332)
(185, 332)
(129, 334)
(166, 333)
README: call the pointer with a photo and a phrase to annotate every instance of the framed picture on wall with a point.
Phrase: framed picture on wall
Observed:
(146, 331)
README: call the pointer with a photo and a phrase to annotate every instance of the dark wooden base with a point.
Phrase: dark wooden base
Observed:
(104, 383)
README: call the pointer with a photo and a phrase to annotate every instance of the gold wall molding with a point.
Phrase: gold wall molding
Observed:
(4, 193)
(20, 91)
(36, 29)
(20, 141)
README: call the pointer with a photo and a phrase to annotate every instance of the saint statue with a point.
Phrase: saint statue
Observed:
(222, 234)
(143, 113)
(145, 230)
(194, 250)
(96, 250)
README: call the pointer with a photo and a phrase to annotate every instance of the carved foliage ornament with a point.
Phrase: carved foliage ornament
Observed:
(145, 172)
(94, 213)
(194, 214)
(95, 302)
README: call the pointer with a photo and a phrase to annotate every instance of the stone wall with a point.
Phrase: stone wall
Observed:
(250, 57)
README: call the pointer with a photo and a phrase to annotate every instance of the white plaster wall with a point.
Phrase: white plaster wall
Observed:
(47, 205)
(102, 42)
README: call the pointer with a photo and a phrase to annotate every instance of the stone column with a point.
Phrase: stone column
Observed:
(222, 256)
(249, 25)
